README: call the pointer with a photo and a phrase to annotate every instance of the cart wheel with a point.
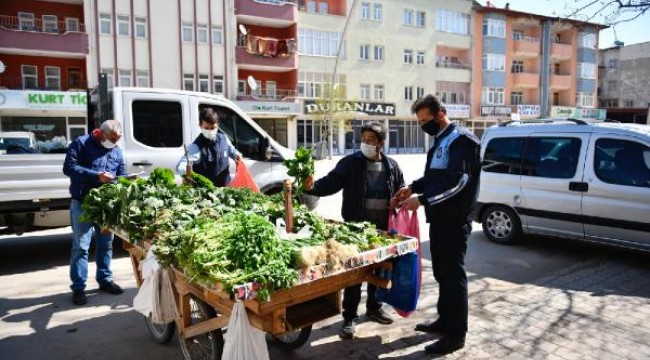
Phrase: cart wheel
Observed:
(294, 339)
(207, 346)
(161, 333)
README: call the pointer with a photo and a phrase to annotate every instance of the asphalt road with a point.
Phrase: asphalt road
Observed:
(38, 321)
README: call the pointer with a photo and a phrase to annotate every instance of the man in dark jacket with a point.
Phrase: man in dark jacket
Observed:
(92, 160)
(210, 151)
(368, 179)
(448, 191)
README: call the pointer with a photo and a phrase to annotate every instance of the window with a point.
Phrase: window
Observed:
(258, 89)
(516, 98)
(518, 35)
(124, 77)
(187, 31)
(408, 93)
(407, 17)
(140, 27)
(451, 21)
(420, 18)
(551, 157)
(53, 78)
(365, 11)
(364, 52)
(622, 162)
(319, 43)
(217, 35)
(408, 56)
(379, 92)
(122, 25)
(629, 103)
(419, 93)
(311, 84)
(379, 53)
(323, 8)
(50, 23)
(29, 76)
(612, 85)
(241, 87)
(587, 40)
(311, 6)
(503, 155)
(586, 71)
(142, 78)
(584, 99)
(110, 77)
(188, 82)
(271, 89)
(75, 78)
(378, 14)
(158, 124)
(204, 83)
(494, 62)
(609, 103)
(364, 92)
(612, 64)
(517, 66)
(420, 58)
(492, 96)
(71, 24)
(217, 84)
(247, 139)
(26, 21)
(494, 28)
(202, 33)
(105, 26)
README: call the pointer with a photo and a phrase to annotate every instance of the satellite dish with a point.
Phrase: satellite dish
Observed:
(251, 82)
(242, 29)
(2, 67)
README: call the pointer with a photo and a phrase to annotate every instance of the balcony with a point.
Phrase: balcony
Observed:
(453, 71)
(526, 46)
(266, 95)
(54, 37)
(16, 83)
(561, 51)
(272, 13)
(561, 82)
(247, 61)
(525, 80)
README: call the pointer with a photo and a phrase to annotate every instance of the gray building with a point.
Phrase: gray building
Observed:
(624, 74)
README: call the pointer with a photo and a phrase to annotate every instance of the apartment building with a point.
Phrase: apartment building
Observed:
(391, 54)
(624, 74)
(529, 65)
(43, 49)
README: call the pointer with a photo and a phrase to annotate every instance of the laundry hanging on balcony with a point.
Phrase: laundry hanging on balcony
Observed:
(270, 47)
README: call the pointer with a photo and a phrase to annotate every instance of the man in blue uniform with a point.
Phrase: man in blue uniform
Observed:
(448, 191)
(369, 179)
(210, 151)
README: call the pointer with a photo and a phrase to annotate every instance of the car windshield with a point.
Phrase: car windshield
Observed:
(7, 142)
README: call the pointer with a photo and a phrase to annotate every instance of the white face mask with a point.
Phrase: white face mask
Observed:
(209, 134)
(369, 151)
(108, 144)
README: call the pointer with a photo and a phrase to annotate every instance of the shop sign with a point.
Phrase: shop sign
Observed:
(49, 100)
(588, 113)
(496, 111)
(528, 111)
(562, 111)
(370, 108)
(269, 107)
(456, 111)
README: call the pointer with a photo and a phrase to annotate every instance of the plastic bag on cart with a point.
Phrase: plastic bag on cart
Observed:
(144, 299)
(405, 290)
(243, 178)
(242, 341)
(164, 306)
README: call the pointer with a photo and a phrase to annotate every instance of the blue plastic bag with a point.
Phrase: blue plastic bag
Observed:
(405, 290)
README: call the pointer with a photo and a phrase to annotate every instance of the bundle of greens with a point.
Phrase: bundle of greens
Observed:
(300, 167)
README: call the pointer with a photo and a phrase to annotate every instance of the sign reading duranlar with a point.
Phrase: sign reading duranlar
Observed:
(370, 108)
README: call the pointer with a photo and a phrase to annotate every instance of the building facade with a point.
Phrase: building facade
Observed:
(624, 72)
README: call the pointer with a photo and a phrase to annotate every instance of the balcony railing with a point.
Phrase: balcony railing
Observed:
(453, 65)
(266, 95)
(37, 25)
(13, 83)
(525, 38)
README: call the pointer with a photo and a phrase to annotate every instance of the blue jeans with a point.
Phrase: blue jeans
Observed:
(82, 234)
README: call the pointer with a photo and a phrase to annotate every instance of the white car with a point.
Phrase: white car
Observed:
(566, 178)
(18, 141)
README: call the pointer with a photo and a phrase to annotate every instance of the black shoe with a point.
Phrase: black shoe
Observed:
(111, 287)
(347, 330)
(446, 345)
(379, 316)
(434, 327)
(79, 297)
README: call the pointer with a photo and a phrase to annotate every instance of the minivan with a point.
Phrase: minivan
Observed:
(566, 178)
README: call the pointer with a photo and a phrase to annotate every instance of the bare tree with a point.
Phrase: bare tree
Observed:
(611, 12)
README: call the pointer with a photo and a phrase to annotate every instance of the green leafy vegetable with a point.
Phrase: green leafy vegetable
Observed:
(300, 167)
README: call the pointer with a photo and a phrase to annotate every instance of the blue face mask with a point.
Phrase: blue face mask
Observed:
(431, 127)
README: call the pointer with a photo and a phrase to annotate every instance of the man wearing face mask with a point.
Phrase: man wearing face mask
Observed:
(448, 191)
(210, 151)
(368, 179)
(91, 161)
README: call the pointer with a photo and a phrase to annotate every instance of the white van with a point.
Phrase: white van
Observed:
(566, 178)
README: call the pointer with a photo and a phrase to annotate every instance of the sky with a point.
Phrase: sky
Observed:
(632, 32)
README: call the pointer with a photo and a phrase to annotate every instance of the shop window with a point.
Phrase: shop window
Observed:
(158, 124)
(29, 76)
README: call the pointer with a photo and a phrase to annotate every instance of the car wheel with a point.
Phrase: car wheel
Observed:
(501, 224)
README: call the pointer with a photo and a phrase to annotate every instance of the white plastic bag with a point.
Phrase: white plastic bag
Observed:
(144, 299)
(164, 305)
(242, 341)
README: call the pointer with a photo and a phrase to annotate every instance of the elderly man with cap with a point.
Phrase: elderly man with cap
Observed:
(368, 179)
